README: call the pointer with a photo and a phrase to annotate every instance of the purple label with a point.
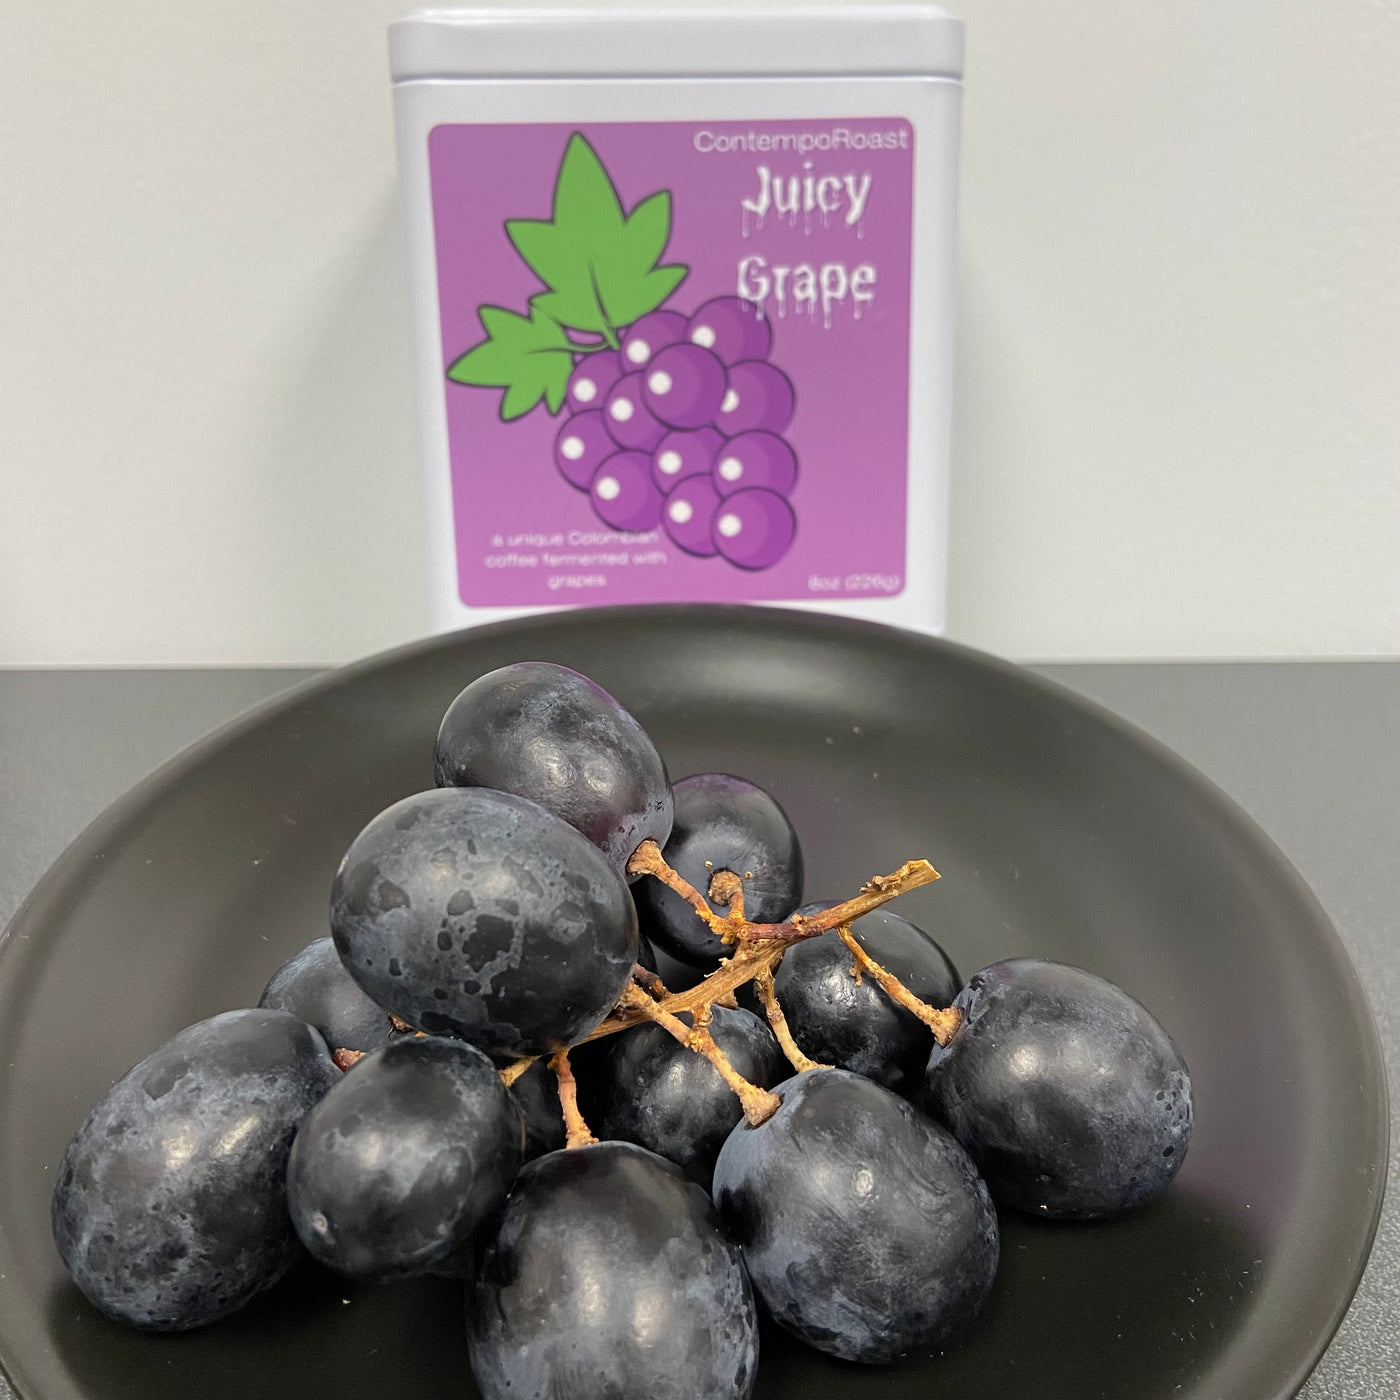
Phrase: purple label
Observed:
(677, 358)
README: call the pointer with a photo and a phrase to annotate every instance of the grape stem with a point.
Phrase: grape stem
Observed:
(576, 1133)
(758, 949)
(942, 1021)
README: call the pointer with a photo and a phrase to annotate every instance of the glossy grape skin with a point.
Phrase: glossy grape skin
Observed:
(856, 1025)
(610, 1278)
(684, 386)
(169, 1210)
(1071, 1098)
(755, 459)
(314, 985)
(630, 422)
(394, 1172)
(682, 454)
(581, 446)
(733, 328)
(736, 826)
(547, 733)
(591, 379)
(758, 396)
(624, 495)
(664, 1096)
(754, 529)
(650, 334)
(687, 513)
(476, 914)
(864, 1225)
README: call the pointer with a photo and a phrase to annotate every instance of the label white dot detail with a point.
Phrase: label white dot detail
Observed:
(680, 512)
(572, 448)
(585, 391)
(639, 352)
(729, 526)
(607, 488)
(731, 401)
(731, 469)
(621, 409)
(704, 335)
(660, 382)
(669, 461)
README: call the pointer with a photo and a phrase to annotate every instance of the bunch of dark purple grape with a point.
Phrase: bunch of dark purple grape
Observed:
(818, 1125)
(682, 427)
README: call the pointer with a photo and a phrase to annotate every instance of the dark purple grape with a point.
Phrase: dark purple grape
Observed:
(581, 446)
(682, 454)
(755, 459)
(314, 985)
(547, 733)
(624, 495)
(478, 914)
(630, 422)
(1071, 1098)
(855, 1025)
(649, 334)
(754, 529)
(394, 1172)
(170, 1208)
(687, 514)
(758, 396)
(733, 328)
(722, 823)
(662, 1095)
(593, 376)
(864, 1226)
(684, 386)
(610, 1278)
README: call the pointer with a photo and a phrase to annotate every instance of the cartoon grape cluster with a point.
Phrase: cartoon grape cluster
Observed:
(674, 420)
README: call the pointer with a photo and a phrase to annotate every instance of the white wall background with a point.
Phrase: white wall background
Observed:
(1178, 396)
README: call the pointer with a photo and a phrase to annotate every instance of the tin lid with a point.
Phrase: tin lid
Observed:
(495, 41)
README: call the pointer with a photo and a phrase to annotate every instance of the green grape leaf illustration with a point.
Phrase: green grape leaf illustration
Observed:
(528, 356)
(602, 267)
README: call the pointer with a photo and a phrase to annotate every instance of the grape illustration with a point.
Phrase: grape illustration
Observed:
(754, 529)
(684, 386)
(648, 335)
(733, 328)
(755, 459)
(580, 447)
(682, 454)
(624, 495)
(759, 396)
(672, 418)
(688, 513)
(591, 380)
(631, 423)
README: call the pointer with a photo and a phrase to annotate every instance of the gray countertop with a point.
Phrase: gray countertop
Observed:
(1310, 749)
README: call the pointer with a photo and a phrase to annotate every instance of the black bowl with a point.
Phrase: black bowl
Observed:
(1060, 831)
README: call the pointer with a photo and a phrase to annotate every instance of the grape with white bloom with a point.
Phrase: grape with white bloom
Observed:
(758, 396)
(580, 446)
(733, 328)
(754, 528)
(624, 495)
(651, 333)
(684, 386)
(593, 376)
(682, 454)
(630, 422)
(755, 459)
(688, 513)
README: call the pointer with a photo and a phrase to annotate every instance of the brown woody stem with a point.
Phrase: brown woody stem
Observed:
(759, 1104)
(345, 1059)
(942, 1021)
(513, 1071)
(576, 1133)
(763, 985)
